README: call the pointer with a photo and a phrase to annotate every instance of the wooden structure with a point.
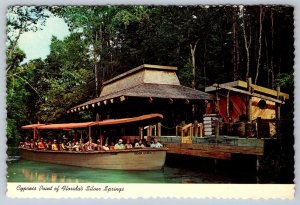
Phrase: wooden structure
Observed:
(147, 158)
(241, 103)
(147, 89)
(218, 147)
(238, 98)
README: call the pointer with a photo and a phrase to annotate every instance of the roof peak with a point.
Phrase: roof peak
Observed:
(140, 68)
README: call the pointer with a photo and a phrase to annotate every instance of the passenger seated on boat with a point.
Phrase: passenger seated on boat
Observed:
(49, 145)
(90, 145)
(76, 147)
(81, 145)
(62, 146)
(27, 143)
(32, 144)
(119, 145)
(139, 144)
(156, 144)
(128, 145)
(69, 146)
(112, 146)
(54, 146)
(41, 144)
(148, 144)
(105, 147)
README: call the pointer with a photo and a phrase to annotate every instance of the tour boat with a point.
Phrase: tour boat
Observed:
(124, 159)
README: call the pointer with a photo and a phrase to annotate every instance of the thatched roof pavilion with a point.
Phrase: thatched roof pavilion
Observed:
(147, 89)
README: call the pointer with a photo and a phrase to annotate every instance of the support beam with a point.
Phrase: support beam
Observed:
(277, 104)
(249, 100)
(140, 133)
(159, 129)
(248, 93)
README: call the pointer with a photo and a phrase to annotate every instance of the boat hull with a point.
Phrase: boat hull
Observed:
(133, 159)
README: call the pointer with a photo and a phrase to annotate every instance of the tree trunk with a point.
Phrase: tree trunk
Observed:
(193, 50)
(96, 65)
(234, 45)
(204, 62)
(247, 45)
(259, 43)
(272, 48)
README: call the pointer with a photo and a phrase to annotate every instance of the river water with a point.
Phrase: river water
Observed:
(176, 170)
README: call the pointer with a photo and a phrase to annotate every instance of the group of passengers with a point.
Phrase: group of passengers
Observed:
(74, 145)
(137, 144)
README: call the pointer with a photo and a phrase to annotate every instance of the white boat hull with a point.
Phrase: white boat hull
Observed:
(131, 159)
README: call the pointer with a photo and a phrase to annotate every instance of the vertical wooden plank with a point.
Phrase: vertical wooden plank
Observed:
(34, 137)
(140, 132)
(278, 105)
(90, 133)
(196, 128)
(249, 101)
(227, 104)
(217, 128)
(159, 129)
(101, 137)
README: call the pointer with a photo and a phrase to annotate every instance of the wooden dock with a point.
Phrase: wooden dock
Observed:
(222, 147)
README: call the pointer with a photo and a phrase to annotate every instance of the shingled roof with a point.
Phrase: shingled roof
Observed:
(146, 81)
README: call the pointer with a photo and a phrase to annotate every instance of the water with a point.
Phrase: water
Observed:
(176, 170)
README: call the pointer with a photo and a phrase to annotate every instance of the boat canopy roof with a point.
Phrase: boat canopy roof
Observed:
(32, 126)
(144, 119)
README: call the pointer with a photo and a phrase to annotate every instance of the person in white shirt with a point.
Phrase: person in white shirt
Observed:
(105, 147)
(139, 144)
(119, 145)
(128, 145)
(156, 144)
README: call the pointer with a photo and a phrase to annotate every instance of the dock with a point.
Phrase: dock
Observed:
(221, 147)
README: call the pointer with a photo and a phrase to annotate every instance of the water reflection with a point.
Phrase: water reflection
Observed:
(20, 170)
(30, 171)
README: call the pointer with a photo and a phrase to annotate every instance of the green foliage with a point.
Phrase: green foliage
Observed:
(108, 40)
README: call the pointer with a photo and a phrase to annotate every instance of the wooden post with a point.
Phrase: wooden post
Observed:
(227, 104)
(217, 128)
(249, 101)
(34, 137)
(150, 130)
(90, 133)
(140, 133)
(159, 129)
(196, 128)
(259, 128)
(278, 104)
(201, 129)
(101, 137)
